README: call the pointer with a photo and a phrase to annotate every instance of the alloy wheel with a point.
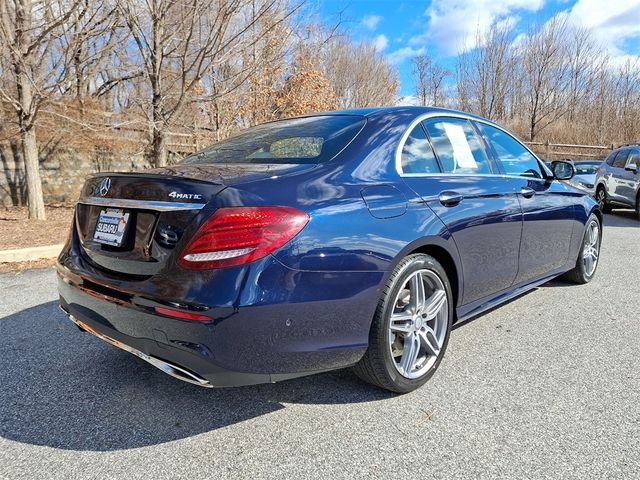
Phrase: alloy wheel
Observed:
(591, 248)
(418, 323)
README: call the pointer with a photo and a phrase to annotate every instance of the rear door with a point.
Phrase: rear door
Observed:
(480, 209)
(548, 206)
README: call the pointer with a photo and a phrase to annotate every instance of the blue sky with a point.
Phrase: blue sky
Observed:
(442, 28)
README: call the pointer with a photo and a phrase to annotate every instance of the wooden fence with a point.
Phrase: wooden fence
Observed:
(558, 151)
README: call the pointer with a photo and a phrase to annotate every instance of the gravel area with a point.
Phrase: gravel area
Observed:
(545, 386)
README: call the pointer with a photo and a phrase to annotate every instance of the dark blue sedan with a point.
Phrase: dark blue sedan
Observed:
(343, 239)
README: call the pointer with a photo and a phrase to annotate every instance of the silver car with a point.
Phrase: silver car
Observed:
(618, 180)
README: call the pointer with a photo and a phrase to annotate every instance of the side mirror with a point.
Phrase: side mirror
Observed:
(632, 167)
(563, 170)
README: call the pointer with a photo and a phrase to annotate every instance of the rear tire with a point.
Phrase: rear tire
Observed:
(418, 296)
(584, 270)
(601, 198)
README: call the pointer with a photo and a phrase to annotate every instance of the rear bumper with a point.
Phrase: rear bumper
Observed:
(169, 368)
(243, 344)
(192, 366)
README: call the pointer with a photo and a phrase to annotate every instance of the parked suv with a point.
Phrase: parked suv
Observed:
(618, 180)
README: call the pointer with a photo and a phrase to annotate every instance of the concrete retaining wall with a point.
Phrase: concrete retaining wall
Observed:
(63, 171)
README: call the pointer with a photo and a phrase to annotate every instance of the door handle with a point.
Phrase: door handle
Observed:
(527, 192)
(449, 199)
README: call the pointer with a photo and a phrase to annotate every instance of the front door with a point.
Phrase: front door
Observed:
(615, 180)
(547, 206)
(629, 179)
(480, 209)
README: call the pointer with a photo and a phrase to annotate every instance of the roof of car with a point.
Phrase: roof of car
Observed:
(373, 112)
(418, 110)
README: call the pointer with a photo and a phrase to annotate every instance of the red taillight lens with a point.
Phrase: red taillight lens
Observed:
(238, 235)
(170, 312)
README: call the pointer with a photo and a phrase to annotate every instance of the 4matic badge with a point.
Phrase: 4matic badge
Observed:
(186, 196)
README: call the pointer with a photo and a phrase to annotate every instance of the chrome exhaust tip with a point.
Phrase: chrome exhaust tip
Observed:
(170, 369)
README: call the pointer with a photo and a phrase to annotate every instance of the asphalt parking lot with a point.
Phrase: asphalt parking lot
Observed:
(545, 386)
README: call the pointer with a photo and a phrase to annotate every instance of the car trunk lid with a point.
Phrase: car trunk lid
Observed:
(157, 207)
(131, 223)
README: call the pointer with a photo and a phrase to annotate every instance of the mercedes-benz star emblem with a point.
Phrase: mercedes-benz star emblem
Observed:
(105, 185)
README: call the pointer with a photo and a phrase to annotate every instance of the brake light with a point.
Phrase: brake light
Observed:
(239, 235)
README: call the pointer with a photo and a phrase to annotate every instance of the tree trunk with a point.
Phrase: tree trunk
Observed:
(32, 174)
(23, 65)
(159, 148)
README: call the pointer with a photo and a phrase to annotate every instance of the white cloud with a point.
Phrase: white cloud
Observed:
(612, 22)
(381, 42)
(371, 21)
(398, 56)
(453, 26)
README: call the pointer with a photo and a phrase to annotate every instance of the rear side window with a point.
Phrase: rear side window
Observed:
(298, 140)
(417, 154)
(620, 160)
(514, 157)
(457, 146)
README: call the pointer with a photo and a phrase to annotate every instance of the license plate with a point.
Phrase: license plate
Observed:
(111, 226)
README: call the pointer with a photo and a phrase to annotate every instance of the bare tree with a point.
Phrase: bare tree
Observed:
(428, 79)
(584, 59)
(547, 73)
(36, 66)
(485, 74)
(177, 43)
(421, 78)
(359, 74)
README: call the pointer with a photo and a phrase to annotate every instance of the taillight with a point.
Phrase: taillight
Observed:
(172, 312)
(238, 235)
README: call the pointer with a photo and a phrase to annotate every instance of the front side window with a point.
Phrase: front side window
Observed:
(457, 146)
(417, 154)
(620, 160)
(634, 158)
(514, 157)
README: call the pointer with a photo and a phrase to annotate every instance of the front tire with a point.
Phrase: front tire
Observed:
(411, 326)
(589, 255)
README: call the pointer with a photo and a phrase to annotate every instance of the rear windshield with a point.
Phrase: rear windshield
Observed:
(298, 140)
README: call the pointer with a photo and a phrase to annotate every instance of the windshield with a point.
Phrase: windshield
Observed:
(586, 168)
(298, 140)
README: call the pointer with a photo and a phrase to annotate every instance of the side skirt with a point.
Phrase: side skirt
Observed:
(467, 312)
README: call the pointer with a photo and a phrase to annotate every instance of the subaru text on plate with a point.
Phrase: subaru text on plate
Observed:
(351, 238)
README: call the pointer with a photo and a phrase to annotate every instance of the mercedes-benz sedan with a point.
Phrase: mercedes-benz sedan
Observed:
(343, 239)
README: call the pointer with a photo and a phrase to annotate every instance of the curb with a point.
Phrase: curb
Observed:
(32, 253)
